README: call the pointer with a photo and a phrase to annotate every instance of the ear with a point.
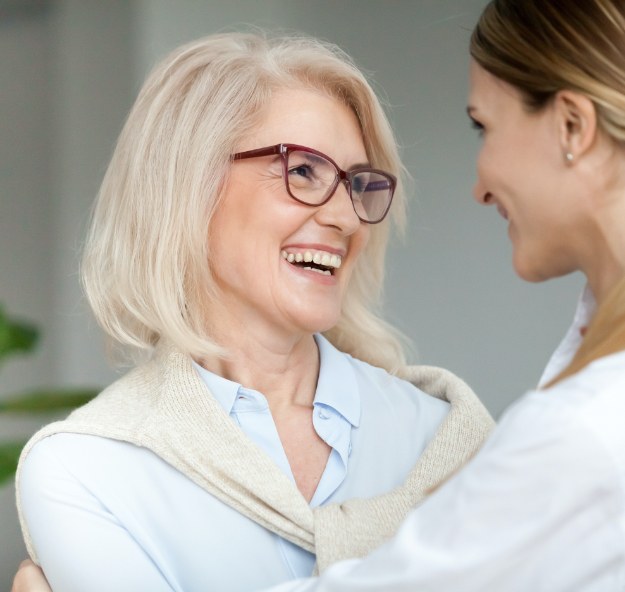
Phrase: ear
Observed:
(577, 123)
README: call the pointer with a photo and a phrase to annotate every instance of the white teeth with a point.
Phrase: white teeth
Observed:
(318, 257)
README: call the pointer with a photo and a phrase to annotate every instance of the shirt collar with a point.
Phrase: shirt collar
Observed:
(336, 386)
(223, 390)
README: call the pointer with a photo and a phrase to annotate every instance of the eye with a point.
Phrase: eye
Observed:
(476, 125)
(305, 171)
(309, 171)
(359, 186)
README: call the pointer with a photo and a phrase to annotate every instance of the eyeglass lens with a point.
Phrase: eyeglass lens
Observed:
(311, 179)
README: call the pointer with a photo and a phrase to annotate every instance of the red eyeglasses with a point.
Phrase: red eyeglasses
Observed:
(312, 178)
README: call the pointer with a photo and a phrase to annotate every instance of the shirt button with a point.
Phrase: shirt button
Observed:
(322, 415)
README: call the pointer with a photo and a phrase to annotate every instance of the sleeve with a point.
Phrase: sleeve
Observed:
(80, 544)
(539, 508)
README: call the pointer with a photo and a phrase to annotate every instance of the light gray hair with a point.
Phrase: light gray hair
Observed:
(145, 270)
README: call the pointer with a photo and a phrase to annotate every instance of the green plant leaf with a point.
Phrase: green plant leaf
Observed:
(16, 336)
(9, 455)
(22, 337)
(47, 400)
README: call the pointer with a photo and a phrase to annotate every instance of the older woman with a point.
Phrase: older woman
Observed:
(238, 239)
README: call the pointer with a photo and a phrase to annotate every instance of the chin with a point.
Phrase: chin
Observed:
(320, 323)
(526, 268)
(531, 272)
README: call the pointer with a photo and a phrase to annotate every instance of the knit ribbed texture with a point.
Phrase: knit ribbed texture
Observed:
(165, 406)
(356, 527)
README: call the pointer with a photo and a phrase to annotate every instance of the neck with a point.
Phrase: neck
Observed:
(598, 196)
(606, 261)
(283, 366)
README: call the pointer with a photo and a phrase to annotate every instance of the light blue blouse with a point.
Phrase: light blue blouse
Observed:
(157, 530)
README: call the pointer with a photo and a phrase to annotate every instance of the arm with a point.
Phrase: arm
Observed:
(539, 508)
(78, 539)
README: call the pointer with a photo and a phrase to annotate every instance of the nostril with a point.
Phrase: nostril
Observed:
(480, 194)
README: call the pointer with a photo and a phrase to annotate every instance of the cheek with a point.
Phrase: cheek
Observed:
(361, 240)
(358, 251)
(490, 162)
(502, 172)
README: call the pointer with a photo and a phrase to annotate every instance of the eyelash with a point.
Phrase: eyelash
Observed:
(476, 125)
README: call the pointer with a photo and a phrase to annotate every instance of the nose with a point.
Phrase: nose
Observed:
(481, 194)
(339, 211)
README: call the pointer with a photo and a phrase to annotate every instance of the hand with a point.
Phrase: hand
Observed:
(30, 578)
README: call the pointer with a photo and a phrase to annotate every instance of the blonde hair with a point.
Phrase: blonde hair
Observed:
(542, 47)
(604, 336)
(145, 270)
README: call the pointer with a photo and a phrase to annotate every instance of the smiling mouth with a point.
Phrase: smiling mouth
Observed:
(320, 261)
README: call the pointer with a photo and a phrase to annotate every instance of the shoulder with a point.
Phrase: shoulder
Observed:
(88, 472)
(96, 463)
(385, 394)
(435, 386)
(79, 471)
(576, 422)
(602, 379)
(75, 456)
(595, 390)
(107, 420)
(392, 384)
(433, 400)
(589, 405)
(126, 404)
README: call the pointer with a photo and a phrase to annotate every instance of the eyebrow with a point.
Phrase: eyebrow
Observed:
(313, 157)
(358, 165)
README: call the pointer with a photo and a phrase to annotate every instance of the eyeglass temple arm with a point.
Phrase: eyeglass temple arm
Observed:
(378, 185)
(277, 149)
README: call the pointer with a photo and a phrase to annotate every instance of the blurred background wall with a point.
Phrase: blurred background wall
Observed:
(69, 70)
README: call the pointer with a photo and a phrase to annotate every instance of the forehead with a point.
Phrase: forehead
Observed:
(313, 119)
(487, 92)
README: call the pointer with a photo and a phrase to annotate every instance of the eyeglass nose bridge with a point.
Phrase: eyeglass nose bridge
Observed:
(345, 179)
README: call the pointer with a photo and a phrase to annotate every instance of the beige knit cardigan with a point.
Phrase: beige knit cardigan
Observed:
(165, 406)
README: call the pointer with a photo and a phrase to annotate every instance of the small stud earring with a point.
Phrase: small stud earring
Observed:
(568, 156)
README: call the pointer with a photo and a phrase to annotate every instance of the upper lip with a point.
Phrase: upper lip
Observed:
(502, 211)
(316, 247)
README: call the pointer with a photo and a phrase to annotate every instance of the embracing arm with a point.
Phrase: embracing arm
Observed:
(355, 527)
(30, 578)
(539, 508)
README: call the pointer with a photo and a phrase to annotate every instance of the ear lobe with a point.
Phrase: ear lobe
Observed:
(577, 122)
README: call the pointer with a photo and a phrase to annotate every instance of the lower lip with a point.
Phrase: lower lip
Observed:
(510, 230)
(320, 278)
